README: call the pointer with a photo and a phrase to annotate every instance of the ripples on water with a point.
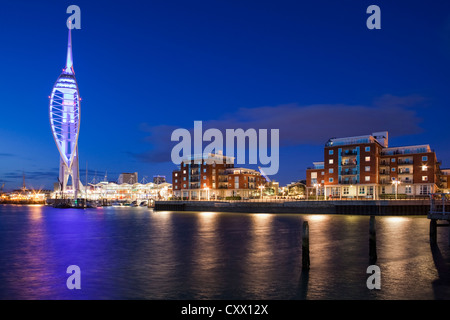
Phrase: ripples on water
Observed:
(135, 253)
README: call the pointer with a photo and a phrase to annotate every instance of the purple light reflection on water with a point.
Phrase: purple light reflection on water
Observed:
(135, 253)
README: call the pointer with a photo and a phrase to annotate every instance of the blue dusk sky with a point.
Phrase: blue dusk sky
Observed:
(311, 69)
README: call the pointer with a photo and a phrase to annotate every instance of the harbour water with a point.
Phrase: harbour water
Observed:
(138, 253)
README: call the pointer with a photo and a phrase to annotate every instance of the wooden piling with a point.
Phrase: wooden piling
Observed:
(433, 231)
(305, 246)
(372, 241)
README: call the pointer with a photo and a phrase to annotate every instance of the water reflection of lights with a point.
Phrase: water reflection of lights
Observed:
(317, 217)
(396, 219)
(36, 212)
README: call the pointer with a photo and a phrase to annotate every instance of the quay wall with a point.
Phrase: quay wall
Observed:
(352, 207)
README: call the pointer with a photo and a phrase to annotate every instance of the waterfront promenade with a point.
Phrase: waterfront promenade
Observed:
(354, 207)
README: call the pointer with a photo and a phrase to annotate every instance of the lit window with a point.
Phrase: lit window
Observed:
(424, 168)
(176, 174)
(367, 178)
(367, 168)
(330, 161)
(184, 171)
(367, 158)
(367, 149)
(313, 175)
(424, 178)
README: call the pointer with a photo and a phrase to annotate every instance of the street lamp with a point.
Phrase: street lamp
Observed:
(396, 183)
(207, 193)
(261, 187)
(317, 185)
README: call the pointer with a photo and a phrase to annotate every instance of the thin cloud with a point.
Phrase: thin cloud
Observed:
(303, 125)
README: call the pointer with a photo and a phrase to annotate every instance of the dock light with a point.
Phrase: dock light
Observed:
(396, 183)
(261, 187)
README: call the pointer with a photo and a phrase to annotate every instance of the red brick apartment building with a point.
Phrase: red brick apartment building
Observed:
(365, 167)
(209, 176)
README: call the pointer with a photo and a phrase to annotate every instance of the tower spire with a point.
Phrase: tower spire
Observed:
(69, 61)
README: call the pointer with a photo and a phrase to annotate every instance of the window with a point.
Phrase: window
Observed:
(214, 171)
(184, 185)
(236, 179)
(204, 177)
(330, 180)
(425, 158)
(392, 159)
(330, 152)
(367, 168)
(346, 190)
(370, 191)
(424, 178)
(176, 174)
(214, 178)
(330, 170)
(322, 173)
(176, 187)
(424, 168)
(393, 169)
(383, 190)
(204, 170)
(367, 149)
(184, 178)
(330, 161)
(367, 158)
(176, 180)
(408, 190)
(323, 181)
(236, 185)
(367, 178)
(313, 175)
(362, 190)
(214, 185)
(184, 171)
(424, 190)
(204, 184)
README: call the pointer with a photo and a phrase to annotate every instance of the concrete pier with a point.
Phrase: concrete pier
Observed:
(353, 207)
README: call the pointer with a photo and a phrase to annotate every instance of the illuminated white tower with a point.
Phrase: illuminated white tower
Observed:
(65, 122)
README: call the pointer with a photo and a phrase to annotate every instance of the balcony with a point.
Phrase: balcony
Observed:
(346, 153)
(349, 163)
(406, 181)
(349, 181)
(384, 163)
(385, 172)
(223, 179)
(349, 172)
(194, 179)
(404, 171)
(405, 161)
(195, 172)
